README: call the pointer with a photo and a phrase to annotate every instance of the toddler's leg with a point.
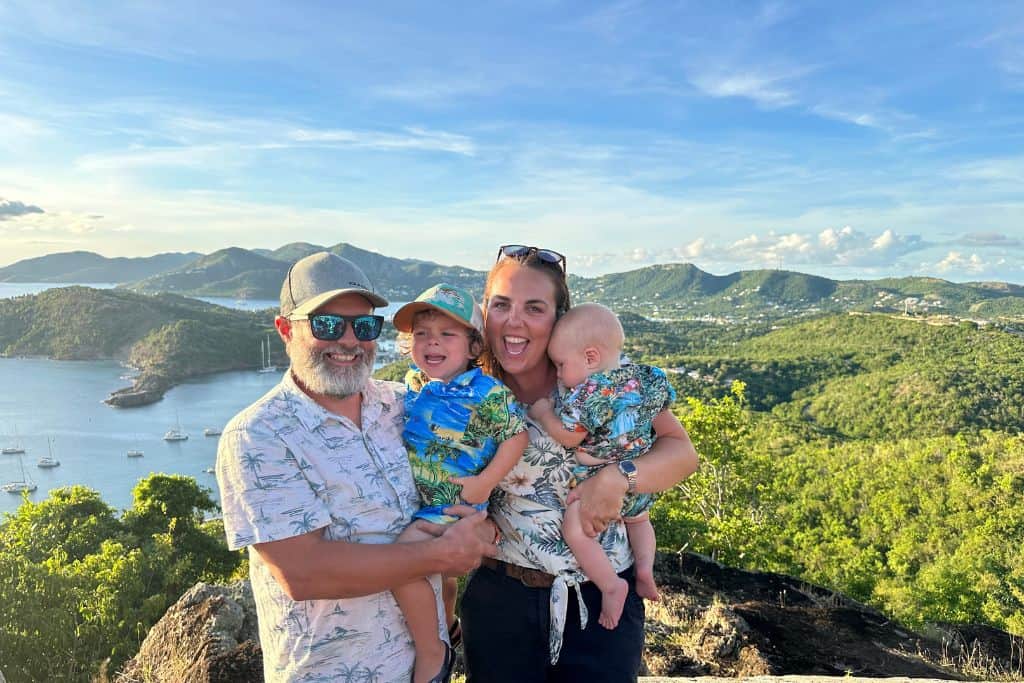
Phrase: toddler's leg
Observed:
(449, 591)
(597, 566)
(416, 600)
(641, 539)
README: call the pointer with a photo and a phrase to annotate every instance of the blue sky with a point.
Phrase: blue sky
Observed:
(844, 139)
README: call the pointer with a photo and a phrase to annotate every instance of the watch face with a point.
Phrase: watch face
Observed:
(626, 467)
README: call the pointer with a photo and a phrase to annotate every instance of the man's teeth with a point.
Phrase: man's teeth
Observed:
(344, 357)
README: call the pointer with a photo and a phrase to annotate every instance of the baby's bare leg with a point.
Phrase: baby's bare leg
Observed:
(641, 539)
(416, 600)
(597, 566)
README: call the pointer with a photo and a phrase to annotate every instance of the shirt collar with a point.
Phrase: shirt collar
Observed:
(312, 415)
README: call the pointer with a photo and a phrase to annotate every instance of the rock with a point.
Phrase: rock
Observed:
(712, 621)
(719, 621)
(208, 636)
(129, 398)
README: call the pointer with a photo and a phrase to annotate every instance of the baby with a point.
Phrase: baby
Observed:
(464, 431)
(608, 411)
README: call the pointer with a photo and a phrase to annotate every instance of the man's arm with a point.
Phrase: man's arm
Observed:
(310, 567)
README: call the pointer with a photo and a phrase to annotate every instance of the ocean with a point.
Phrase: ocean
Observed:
(48, 404)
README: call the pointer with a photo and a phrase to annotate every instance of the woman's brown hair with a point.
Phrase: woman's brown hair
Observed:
(553, 271)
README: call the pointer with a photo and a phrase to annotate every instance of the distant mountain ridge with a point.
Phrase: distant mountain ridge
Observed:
(664, 290)
(89, 267)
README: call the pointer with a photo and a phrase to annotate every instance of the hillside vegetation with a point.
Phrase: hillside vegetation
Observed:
(168, 337)
(863, 375)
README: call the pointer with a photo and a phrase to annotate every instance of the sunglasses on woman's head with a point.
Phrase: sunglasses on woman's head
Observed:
(521, 252)
(331, 327)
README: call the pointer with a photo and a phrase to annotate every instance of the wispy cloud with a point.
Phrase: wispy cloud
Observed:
(16, 128)
(767, 89)
(412, 139)
(992, 239)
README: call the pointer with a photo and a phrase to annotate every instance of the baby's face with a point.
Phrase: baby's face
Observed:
(570, 360)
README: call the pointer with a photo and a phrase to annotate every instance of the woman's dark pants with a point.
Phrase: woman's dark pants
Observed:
(505, 634)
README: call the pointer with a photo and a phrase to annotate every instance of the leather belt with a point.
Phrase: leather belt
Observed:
(531, 578)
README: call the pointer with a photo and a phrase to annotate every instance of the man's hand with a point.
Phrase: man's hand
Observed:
(463, 543)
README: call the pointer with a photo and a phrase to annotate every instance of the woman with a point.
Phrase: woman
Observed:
(521, 614)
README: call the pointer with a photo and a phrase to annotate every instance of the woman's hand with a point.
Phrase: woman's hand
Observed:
(600, 499)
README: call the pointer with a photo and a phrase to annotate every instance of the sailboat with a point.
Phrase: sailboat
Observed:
(14, 449)
(176, 433)
(265, 365)
(25, 484)
(48, 460)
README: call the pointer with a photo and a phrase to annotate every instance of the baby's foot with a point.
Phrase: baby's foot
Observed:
(612, 603)
(645, 586)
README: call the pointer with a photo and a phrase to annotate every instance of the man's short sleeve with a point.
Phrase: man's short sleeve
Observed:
(503, 412)
(586, 407)
(264, 494)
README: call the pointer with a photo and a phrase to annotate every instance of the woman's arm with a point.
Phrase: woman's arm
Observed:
(671, 459)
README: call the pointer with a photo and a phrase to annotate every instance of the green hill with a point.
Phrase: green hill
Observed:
(88, 267)
(227, 272)
(677, 291)
(864, 375)
(168, 337)
(235, 271)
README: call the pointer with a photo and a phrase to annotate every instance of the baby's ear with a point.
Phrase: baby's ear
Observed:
(592, 356)
(476, 347)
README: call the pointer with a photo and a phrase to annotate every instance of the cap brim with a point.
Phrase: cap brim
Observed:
(316, 302)
(404, 315)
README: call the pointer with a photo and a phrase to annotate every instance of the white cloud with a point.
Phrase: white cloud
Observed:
(955, 261)
(833, 247)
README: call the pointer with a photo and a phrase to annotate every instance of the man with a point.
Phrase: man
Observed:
(315, 481)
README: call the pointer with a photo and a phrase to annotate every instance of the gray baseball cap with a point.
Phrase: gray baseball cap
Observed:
(316, 279)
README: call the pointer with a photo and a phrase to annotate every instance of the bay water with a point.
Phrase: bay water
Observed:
(44, 402)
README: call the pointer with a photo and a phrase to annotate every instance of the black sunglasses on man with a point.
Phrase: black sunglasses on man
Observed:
(331, 327)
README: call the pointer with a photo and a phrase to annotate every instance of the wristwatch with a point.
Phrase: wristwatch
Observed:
(628, 470)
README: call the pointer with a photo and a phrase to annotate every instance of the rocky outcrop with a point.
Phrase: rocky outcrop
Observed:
(712, 621)
(130, 397)
(208, 636)
(719, 621)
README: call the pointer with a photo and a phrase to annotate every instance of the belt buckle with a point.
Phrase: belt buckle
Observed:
(533, 578)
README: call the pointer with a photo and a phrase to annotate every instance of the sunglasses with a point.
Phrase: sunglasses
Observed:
(330, 327)
(521, 252)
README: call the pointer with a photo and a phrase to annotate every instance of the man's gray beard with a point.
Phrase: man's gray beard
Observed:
(317, 375)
